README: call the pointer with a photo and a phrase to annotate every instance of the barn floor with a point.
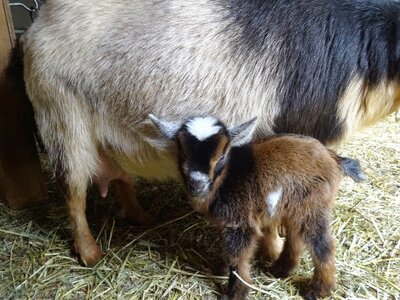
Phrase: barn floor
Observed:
(174, 258)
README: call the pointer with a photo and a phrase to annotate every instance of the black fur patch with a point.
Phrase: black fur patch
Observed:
(243, 167)
(201, 152)
(15, 67)
(326, 43)
(240, 173)
(321, 248)
(15, 72)
(319, 243)
(237, 239)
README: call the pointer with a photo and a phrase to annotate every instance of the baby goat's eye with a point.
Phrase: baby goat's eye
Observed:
(220, 164)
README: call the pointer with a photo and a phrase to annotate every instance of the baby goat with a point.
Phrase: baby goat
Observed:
(249, 189)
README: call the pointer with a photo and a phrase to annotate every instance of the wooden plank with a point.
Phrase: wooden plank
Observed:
(7, 35)
(21, 179)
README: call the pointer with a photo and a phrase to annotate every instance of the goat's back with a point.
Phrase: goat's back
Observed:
(296, 162)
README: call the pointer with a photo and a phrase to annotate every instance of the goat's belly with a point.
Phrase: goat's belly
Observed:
(138, 151)
(158, 167)
(147, 161)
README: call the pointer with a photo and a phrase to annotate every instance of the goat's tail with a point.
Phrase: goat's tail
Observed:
(14, 74)
(351, 168)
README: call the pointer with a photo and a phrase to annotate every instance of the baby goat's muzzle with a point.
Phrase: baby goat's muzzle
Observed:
(198, 184)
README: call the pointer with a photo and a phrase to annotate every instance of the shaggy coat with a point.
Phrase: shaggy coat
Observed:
(94, 69)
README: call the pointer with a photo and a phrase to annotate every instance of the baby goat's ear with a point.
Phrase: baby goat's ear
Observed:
(166, 128)
(242, 134)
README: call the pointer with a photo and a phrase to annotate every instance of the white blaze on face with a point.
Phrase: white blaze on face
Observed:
(203, 127)
(272, 200)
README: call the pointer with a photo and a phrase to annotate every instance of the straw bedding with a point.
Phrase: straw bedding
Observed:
(174, 258)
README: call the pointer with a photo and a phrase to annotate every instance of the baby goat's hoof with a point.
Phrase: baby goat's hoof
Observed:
(310, 296)
(314, 295)
(236, 297)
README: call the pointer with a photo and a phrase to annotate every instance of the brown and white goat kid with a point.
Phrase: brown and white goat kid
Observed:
(249, 189)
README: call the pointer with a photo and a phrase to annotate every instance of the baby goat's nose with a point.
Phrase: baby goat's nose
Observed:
(197, 186)
(198, 183)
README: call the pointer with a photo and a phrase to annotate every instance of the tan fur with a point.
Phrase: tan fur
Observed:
(84, 243)
(361, 105)
(130, 208)
(217, 154)
(380, 102)
(271, 243)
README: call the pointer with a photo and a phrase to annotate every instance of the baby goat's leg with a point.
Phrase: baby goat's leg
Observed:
(271, 243)
(240, 244)
(290, 256)
(320, 242)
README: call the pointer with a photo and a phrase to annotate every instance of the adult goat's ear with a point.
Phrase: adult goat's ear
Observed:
(242, 134)
(167, 128)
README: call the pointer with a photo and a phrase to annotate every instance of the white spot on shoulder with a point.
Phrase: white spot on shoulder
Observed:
(272, 200)
(203, 127)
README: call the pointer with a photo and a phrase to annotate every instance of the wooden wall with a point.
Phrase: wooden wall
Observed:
(21, 179)
(6, 33)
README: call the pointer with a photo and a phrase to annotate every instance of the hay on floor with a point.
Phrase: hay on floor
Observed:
(174, 258)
